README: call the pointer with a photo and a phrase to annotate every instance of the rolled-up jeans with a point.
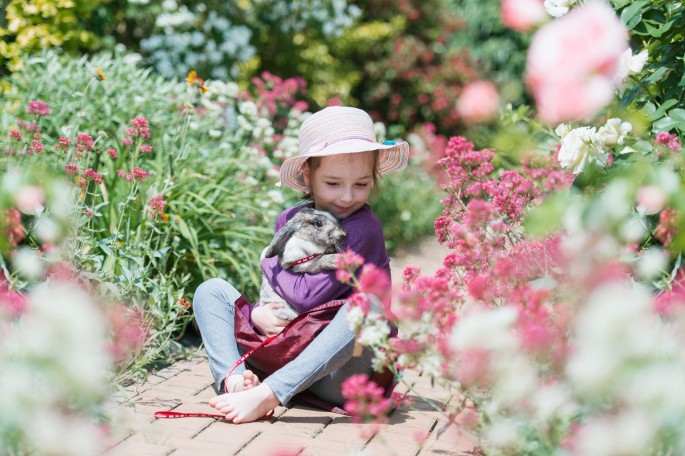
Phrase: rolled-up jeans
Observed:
(322, 367)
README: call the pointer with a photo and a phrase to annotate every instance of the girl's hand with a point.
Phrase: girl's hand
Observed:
(265, 321)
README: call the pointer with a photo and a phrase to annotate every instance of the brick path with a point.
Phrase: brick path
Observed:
(186, 386)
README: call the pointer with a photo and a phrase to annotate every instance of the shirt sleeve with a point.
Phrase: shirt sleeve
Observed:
(304, 291)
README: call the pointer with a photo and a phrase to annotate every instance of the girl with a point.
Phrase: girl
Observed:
(338, 166)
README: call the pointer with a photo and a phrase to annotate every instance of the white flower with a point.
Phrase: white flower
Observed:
(580, 147)
(614, 131)
(487, 329)
(28, 263)
(248, 109)
(651, 263)
(629, 64)
(374, 333)
(558, 8)
(562, 130)
(628, 433)
(355, 318)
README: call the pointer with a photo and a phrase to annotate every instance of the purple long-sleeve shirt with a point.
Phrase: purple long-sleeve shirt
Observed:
(305, 291)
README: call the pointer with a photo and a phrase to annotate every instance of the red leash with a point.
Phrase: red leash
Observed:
(174, 414)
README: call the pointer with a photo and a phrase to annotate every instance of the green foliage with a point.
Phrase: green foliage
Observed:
(408, 203)
(659, 27)
(498, 53)
(29, 26)
(215, 221)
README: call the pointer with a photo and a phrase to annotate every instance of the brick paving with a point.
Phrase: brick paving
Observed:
(301, 430)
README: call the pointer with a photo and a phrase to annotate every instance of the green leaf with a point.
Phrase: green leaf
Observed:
(664, 124)
(546, 218)
(677, 115)
(659, 113)
(657, 75)
(658, 31)
(630, 16)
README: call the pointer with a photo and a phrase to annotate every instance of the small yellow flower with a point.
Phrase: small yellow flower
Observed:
(100, 75)
(191, 77)
(196, 82)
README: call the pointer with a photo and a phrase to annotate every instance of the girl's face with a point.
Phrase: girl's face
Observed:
(341, 183)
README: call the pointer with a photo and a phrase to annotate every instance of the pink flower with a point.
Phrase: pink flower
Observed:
(139, 174)
(93, 175)
(365, 400)
(126, 141)
(88, 211)
(112, 152)
(37, 147)
(14, 230)
(669, 140)
(71, 169)
(39, 108)
(573, 60)
(11, 301)
(29, 198)
(15, 135)
(668, 301)
(146, 148)
(141, 128)
(62, 144)
(157, 205)
(129, 331)
(523, 15)
(84, 142)
(478, 102)
(349, 260)
(667, 227)
(376, 281)
(343, 276)
(650, 198)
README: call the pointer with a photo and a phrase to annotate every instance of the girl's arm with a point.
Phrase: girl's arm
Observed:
(306, 291)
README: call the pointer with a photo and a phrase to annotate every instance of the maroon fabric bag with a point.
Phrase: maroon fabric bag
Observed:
(289, 343)
(285, 347)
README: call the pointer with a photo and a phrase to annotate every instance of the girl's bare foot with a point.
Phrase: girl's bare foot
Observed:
(246, 406)
(241, 382)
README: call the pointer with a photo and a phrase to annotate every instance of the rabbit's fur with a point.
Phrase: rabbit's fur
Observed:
(308, 232)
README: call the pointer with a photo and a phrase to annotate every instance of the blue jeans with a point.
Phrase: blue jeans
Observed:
(322, 367)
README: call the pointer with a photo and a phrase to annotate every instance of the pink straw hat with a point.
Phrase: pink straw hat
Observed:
(341, 130)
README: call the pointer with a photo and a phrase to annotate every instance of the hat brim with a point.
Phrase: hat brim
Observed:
(391, 157)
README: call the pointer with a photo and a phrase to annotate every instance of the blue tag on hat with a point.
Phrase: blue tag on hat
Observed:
(388, 143)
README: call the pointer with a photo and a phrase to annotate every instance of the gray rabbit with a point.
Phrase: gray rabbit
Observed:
(308, 242)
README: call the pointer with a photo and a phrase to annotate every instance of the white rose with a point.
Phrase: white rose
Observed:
(579, 147)
(562, 130)
(558, 8)
(629, 64)
(614, 132)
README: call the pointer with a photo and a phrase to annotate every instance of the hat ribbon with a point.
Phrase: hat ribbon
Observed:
(322, 145)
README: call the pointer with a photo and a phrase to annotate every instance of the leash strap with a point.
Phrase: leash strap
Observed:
(175, 414)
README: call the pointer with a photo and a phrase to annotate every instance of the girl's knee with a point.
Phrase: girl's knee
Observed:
(214, 289)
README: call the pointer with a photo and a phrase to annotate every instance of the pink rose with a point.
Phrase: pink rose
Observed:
(523, 15)
(29, 199)
(650, 198)
(478, 102)
(572, 62)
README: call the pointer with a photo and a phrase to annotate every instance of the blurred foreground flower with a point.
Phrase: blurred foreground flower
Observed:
(572, 63)
(478, 102)
(523, 15)
(54, 370)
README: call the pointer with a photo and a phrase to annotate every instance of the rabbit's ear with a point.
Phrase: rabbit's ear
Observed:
(279, 241)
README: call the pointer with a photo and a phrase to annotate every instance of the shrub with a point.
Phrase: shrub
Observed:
(558, 314)
(170, 195)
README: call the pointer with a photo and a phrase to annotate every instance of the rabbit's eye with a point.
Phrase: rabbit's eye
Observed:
(318, 223)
